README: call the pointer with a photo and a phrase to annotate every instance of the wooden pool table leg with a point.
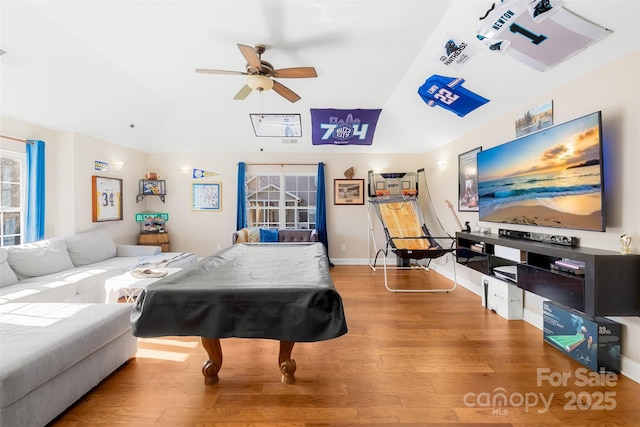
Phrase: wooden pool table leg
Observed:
(212, 366)
(287, 364)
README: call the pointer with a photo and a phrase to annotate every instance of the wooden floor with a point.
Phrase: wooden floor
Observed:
(408, 359)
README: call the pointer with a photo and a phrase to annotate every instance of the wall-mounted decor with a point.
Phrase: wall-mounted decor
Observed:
(206, 197)
(151, 187)
(535, 119)
(101, 166)
(342, 127)
(106, 199)
(201, 173)
(468, 181)
(348, 191)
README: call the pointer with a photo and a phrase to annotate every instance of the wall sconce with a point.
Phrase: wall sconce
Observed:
(442, 164)
(186, 170)
(117, 166)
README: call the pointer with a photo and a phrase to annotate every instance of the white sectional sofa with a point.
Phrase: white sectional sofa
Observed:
(58, 337)
(73, 269)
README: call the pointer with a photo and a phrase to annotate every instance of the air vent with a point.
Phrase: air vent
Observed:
(12, 58)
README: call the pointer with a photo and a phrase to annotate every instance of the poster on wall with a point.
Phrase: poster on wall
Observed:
(468, 181)
(535, 119)
(343, 127)
(206, 197)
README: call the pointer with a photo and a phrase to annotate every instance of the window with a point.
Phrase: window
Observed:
(281, 201)
(12, 175)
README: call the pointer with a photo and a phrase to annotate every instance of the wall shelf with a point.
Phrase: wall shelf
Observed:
(151, 187)
(610, 285)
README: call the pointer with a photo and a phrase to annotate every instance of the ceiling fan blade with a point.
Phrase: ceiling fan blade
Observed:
(206, 71)
(250, 55)
(243, 93)
(297, 72)
(285, 92)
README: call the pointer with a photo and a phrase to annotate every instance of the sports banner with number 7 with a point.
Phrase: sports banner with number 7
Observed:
(342, 127)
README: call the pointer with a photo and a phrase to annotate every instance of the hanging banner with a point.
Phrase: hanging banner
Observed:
(200, 173)
(343, 127)
(454, 52)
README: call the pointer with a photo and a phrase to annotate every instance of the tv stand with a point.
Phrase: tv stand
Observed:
(608, 286)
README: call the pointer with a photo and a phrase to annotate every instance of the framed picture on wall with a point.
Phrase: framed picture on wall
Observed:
(468, 181)
(348, 191)
(206, 197)
(106, 199)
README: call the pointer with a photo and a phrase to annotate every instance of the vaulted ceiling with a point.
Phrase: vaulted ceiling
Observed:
(99, 67)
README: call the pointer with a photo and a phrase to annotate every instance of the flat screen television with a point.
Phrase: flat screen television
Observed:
(551, 178)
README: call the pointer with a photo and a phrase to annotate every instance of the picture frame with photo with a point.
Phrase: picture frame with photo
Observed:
(348, 191)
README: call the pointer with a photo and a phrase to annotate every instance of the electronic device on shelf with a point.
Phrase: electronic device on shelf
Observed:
(557, 239)
(551, 178)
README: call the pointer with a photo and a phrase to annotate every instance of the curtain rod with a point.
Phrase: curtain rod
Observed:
(281, 164)
(26, 141)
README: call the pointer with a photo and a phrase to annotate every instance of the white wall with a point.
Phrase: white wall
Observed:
(69, 166)
(614, 90)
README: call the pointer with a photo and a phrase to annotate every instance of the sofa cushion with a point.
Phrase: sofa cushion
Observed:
(88, 248)
(268, 235)
(39, 258)
(40, 289)
(41, 340)
(297, 235)
(7, 276)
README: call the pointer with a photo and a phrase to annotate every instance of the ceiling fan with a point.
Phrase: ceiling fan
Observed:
(261, 74)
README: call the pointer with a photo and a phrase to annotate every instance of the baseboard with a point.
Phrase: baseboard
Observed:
(630, 369)
(533, 319)
(349, 261)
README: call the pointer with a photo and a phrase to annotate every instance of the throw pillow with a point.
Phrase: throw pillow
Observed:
(7, 276)
(40, 258)
(268, 235)
(88, 248)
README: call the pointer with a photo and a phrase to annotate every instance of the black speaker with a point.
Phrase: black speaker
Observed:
(557, 239)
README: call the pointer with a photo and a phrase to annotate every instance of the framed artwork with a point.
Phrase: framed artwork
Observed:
(468, 181)
(206, 197)
(106, 199)
(348, 191)
(535, 119)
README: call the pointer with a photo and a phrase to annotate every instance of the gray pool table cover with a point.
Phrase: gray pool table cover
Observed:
(275, 291)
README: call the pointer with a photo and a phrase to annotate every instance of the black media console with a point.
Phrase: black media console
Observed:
(609, 284)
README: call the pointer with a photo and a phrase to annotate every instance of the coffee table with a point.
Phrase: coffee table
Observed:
(130, 286)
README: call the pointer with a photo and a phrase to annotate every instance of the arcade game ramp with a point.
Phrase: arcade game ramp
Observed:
(403, 225)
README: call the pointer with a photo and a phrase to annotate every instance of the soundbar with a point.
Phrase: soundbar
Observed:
(557, 239)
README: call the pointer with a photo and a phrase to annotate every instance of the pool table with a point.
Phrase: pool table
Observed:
(279, 291)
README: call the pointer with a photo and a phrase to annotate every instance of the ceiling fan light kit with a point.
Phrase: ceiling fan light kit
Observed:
(259, 82)
(260, 74)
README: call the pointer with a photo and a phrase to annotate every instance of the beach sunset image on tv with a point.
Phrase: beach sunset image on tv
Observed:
(551, 178)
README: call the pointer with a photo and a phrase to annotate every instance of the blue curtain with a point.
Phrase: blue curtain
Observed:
(241, 208)
(35, 203)
(321, 210)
